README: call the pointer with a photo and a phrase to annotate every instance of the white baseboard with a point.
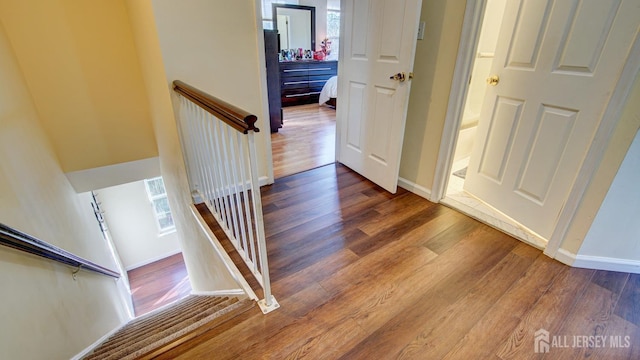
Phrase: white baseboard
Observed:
(598, 262)
(264, 180)
(90, 348)
(231, 292)
(565, 257)
(154, 259)
(414, 188)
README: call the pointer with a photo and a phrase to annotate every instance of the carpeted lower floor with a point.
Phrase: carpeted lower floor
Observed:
(159, 328)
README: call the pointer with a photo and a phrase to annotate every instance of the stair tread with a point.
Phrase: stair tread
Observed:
(163, 327)
(160, 328)
(150, 320)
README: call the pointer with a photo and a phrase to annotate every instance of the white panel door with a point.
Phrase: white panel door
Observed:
(379, 40)
(558, 63)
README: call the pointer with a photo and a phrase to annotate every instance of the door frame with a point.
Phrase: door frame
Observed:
(473, 16)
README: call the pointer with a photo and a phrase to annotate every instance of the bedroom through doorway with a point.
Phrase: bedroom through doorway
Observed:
(301, 51)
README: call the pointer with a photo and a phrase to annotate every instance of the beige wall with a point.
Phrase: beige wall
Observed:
(434, 65)
(80, 63)
(217, 52)
(206, 272)
(45, 313)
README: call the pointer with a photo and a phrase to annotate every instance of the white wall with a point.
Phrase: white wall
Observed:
(615, 231)
(131, 221)
(112, 175)
(481, 70)
(267, 6)
(45, 313)
(321, 19)
(487, 43)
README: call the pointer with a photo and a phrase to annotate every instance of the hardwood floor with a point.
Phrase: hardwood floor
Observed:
(305, 141)
(363, 274)
(158, 284)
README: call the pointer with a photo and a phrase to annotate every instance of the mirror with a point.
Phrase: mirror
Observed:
(296, 25)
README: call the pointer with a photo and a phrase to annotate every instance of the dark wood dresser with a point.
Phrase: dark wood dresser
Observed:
(302, 81)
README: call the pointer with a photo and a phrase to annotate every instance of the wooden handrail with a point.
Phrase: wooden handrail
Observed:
(18, 240)
(233, 116)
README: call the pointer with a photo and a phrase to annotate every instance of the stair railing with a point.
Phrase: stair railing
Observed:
(18, 240)
(219, 151)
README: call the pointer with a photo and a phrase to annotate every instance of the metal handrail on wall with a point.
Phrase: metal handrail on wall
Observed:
(219, 150)
(13, 238)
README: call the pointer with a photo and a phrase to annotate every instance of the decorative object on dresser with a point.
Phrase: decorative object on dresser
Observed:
(301, 81)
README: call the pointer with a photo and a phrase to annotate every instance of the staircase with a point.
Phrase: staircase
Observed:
(167, 328)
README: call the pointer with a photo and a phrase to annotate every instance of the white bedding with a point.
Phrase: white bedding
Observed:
(330, 90)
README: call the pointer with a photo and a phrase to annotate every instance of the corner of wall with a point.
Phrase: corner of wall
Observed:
(618, 146)
(433, 67)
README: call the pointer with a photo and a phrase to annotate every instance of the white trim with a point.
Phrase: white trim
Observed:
(496, 220)
(265, 180)
(414, 188)
(565, 257)
(112, 175)
(153, 259)
(226, 260)
(459, 87)
(98, 342)
(598, 262)
(597, 149)
(230, 292)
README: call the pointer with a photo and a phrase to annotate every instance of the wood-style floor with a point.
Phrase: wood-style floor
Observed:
(362, 274)
(159, 283)
(305, 141)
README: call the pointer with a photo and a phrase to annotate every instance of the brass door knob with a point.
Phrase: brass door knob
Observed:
(493, 80)
(399, 76)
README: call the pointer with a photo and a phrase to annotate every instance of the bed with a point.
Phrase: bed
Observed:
(329, 92)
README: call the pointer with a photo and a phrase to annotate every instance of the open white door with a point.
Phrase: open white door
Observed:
(379, 40)
(557, 64)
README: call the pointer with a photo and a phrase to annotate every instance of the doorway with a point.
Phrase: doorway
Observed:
(374, 83)
(536, 145)
(304, 134)
(455, 195)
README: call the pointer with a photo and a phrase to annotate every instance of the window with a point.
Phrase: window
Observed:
(333, 24)
(333, 31)
(158, 197)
